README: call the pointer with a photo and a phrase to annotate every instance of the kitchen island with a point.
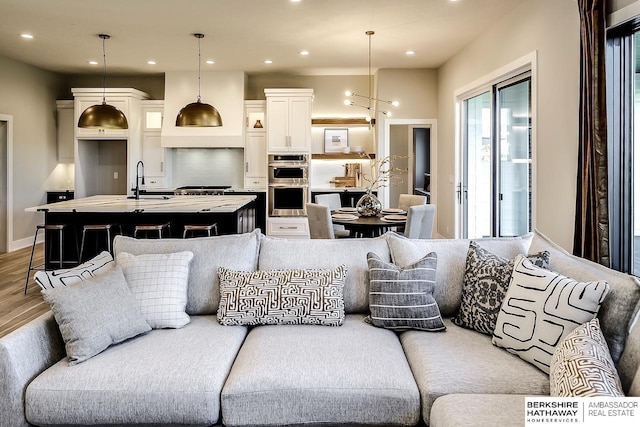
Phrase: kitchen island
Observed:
(232, 213)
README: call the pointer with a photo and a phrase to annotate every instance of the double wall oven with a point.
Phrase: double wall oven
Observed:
(288, 184)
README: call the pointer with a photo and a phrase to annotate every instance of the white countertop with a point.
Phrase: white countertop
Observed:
(150, 204)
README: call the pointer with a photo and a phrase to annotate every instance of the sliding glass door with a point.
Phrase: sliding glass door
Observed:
(495, 192)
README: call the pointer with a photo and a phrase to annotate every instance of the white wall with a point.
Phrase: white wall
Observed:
(550, 27)
(29, 95)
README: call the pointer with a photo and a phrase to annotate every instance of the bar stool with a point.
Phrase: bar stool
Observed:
(98, 228)
(146, 228)
(48, 227)
(206, 228)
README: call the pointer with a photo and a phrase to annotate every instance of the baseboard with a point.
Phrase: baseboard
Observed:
(24, 243)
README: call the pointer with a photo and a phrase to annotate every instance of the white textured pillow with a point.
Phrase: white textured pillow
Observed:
(541, 308)
(582, 366)
(96, 266)
(159, 284)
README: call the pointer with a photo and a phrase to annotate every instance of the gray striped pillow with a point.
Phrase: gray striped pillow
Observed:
(402, 298)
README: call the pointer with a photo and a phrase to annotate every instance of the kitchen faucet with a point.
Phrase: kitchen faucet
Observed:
(137, 192)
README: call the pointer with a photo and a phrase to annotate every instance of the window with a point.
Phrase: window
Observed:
(495, 193)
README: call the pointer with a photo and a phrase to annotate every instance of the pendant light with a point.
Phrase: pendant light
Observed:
(103, 116)
(198, 114)
(372, 102)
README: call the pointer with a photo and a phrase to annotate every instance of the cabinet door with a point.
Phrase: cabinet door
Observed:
(83, 103)
(299, 124)
(65, 134)
(152, 154)
(278, 124)
(255, 155)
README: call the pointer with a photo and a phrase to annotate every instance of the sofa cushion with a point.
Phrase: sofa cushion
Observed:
(159, 284)
(313, 375)
(282, 297)
(629, 366)
(486, 280)
(282, 254)
(94, 314)
(237, 252)
(617, 310)
(99, 264)
(464, 361)
(452, 256)
(581, 366)
(169, 376)
(402, 298)
(541, 308)
(484, 410)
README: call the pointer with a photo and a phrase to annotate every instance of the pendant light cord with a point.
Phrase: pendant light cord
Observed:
(370, 33)
(104, 74)
(199, 36)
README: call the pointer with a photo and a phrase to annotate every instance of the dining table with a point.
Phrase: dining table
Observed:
(369, 226)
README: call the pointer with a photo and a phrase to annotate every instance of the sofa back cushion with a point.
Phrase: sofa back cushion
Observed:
(452, 258)
(620, 306)
(282, 254)
(236, 252)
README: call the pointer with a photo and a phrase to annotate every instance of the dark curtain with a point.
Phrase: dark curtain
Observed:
(591, 236)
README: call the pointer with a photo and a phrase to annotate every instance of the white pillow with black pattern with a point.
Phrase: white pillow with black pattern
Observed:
(402, 298)
(541, 308)
(100, 264)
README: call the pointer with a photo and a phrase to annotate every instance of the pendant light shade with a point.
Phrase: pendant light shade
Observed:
(198, 114)
(103, 116)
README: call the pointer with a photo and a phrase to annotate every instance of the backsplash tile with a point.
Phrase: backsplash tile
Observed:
(208, 166)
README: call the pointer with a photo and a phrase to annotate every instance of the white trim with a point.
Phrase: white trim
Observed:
(9, 119)
(623, 15)
(524, 63)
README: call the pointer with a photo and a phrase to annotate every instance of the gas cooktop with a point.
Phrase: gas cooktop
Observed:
(201, 189)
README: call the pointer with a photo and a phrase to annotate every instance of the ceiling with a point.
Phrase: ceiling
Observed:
(242, 34)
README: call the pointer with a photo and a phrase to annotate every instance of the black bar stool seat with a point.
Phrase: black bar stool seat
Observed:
(146, 228)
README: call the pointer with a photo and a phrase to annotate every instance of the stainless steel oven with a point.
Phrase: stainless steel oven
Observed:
(288, 184)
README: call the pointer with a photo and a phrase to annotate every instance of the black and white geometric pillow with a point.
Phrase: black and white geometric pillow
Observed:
(582, 366)
(402, 298)
(541, 308)
(96, 266)
(282, 297)
(486, 280)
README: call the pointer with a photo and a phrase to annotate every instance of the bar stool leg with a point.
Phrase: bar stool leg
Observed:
(33, 248)
(109, 240)
(84, 235)
(60, 246)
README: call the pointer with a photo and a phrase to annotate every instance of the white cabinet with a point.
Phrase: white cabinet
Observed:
(289, 120)
(288, 227)
(65, 137)
(255, 145)
(153, 154)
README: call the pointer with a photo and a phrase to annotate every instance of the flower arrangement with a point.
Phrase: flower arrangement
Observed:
(384, 172)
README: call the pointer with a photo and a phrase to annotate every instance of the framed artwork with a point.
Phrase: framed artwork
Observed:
(336, 140)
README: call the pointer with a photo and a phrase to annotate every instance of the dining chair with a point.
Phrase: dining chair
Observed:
(420, 222)
(407, 200)
(333, 201)
(320, 224)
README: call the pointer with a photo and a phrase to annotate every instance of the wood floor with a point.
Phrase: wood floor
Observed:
(16, 308)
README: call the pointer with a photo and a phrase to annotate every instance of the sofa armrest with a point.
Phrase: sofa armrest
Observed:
(24, 354)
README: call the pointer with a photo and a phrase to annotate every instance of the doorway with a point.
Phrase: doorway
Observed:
(4, 137)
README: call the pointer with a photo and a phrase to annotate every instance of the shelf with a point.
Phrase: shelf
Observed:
(337, 121)
(341, 156)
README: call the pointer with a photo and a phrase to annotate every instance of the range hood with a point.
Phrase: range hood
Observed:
(222, 89)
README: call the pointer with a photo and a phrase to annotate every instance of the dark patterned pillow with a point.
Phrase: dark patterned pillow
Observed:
(282, 297)
(582, 366)
(486, 280)
(402, 298)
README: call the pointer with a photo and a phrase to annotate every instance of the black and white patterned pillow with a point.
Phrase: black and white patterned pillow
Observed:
(582, 366)
(101, 263)
(282, 297)
(402, 298)
(541, 308)
(486, 280)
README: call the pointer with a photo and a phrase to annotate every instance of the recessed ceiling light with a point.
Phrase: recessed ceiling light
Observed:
(210, 61)
(26, 36)
(304, 52)
(151, 62)
(93, 62)
(410, 52)
(268, 61)
(295, 1)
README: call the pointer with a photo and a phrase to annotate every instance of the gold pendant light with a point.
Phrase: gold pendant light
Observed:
(103, 116)
(199, 114)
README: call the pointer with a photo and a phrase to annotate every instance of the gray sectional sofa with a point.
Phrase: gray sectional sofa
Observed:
(353, 374)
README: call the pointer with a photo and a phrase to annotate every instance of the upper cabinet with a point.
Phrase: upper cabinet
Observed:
(153, 154)
(255, 146)
(125, 100)
(289, 120)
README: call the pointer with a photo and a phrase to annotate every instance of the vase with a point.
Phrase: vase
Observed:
(368, 205)
(257, 125)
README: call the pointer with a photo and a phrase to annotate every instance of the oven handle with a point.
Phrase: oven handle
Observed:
(289, 185)
(288, 165)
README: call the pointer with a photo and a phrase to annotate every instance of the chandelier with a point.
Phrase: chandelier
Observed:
(372, 103)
